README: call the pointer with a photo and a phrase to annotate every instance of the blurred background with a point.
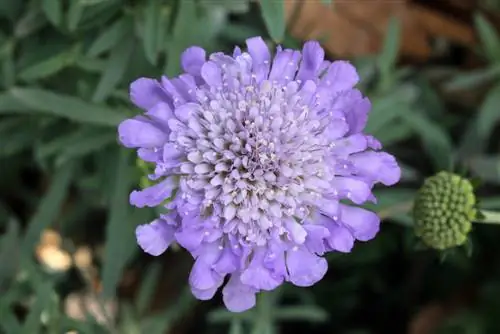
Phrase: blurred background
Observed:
(68, 258)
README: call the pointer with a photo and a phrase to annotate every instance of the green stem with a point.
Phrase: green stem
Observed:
(489, 217)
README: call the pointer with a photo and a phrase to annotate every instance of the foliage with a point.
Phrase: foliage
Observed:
(65, 70)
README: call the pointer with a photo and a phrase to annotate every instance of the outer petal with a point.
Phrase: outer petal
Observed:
(161, 113)
(296, 232)
(211, 73)
(154, 238)
(237, 296)
(206, 294)
(275, 259)
(284, 66)
(305, 268)
(189, 238)
(227, 263)
(312, 58)
(341, 75)
(258, 276)
(316, 235)
(258, 49)
(202, 277)
(349, 145)
(357, 115)
(141, 132)
(155, 195)
(192, 59)
(340, 239)
(261, 57)
(363, 224)
(354, 189)
(378, 166)
(145, 93)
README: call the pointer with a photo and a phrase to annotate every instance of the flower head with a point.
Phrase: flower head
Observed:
(256, 154)
(444, 210)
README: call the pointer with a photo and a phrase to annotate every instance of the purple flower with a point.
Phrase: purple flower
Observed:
(256, 154)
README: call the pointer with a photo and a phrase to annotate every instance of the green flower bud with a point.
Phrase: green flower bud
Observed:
(444, 209)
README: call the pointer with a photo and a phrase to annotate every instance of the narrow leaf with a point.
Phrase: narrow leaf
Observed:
(308, 313)
(236, 326)
(147, 288)
(184, 29)
(31, 21)
(151, 30)
(387, 108)
(273, 13)
(32, 323)
(109, 38)
(9, 323)
(489, 38)
(473, 79)
(48, 208)
(120, 236)
(50, 66)
(435, 139)
(53, 10)
(74, 15)
(116, 67)
(489, 114)
(47, 102)
(9, 252)
(388, 56)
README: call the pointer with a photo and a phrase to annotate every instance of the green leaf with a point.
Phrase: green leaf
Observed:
(53, 10)
(489, 38)
(148, 287)
(47, 102)
(11, 9)
(161, 323)
(8, 64)
(32, 20)
(489, 114)
(90, 145)
(435, 139)
(273, 13)
(308, 313)
(487, 167)
(20, 138)
(109, 38)
(236, 326)
(389, 107)
(120, 237)
(480, 128)
(388, 56)
(473, 79)
(9, 252)
(490, 202)
(183, 33)
(394, 132)
(74, 15)
(48, 208)
(116, 67)
(9, 323)
(32, 323)
(76, 144)
(151, 30)
(52, 65)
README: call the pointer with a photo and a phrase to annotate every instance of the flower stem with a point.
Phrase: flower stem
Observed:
(489, 217)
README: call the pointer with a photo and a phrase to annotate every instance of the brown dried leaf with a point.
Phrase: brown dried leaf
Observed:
(354, 28)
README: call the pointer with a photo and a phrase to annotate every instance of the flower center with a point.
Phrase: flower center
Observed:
(256, 156)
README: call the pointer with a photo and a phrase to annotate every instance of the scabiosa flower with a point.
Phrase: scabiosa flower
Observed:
(256, 154)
